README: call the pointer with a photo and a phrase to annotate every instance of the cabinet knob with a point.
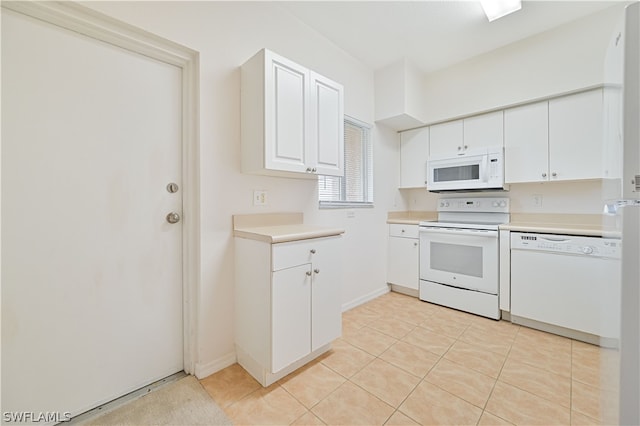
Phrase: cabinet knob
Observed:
(544, 175)
(459, 148)
(312, 251)
(308, 273)
(415, 244)
(308, 170)
(317, 271)
(313, 170)
(554, 174)
(402, 230)
(465, 147)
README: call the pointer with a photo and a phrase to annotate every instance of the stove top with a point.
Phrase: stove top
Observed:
(471, 213)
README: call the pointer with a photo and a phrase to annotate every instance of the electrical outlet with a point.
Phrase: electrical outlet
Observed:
(537, 200)
(260, 198)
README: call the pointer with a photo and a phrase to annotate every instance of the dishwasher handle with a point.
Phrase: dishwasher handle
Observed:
(554, 240)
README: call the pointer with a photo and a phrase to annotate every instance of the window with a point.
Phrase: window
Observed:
(355, 188)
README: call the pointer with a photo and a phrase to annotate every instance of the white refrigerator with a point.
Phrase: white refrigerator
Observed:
(628, 212)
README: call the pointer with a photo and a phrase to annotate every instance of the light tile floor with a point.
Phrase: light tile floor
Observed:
(402, 361)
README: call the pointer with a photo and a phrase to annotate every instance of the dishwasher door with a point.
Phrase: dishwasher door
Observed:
(577, 292)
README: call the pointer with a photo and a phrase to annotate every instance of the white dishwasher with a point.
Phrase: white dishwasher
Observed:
(568, 285)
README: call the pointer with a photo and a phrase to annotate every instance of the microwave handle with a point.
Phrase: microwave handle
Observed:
(485, 168)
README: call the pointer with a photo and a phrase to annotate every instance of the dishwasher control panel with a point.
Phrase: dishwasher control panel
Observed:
(567, 244)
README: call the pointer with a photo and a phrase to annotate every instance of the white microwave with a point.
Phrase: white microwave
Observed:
(474, 170)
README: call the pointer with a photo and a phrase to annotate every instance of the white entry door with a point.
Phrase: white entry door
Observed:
(91, 268)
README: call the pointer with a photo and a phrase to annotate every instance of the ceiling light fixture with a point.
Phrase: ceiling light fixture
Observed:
(495, 9)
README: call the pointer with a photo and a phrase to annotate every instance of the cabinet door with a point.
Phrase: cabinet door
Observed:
(290, 315)
(286, 114)
(483, 131)
(326, 144)
(526, 143)
(403, 260)
(576, 136)
(445, 138)
(414, 150)
(326, 320)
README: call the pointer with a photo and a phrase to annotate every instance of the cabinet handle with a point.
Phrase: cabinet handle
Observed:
(544, 175)
(312, 251)
(308, 273)
(317, 271)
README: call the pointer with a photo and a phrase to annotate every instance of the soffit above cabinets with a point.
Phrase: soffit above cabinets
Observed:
(431, 34)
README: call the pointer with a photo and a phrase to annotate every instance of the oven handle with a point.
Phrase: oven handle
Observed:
(461, 232)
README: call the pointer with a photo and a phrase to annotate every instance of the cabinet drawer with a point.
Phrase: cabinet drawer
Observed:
(401, 230)
(294, 253)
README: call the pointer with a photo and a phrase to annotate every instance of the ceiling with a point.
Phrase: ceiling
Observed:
(430, 34)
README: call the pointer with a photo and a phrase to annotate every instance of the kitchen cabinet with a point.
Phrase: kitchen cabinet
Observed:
(576, 136)
(555, 140)
(403, 257)
(292, 119)
(288, 303)
(473, 133)
(414, 150)
(526, 143)
(445, 138)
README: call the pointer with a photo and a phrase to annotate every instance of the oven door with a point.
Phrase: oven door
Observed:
(463, 258)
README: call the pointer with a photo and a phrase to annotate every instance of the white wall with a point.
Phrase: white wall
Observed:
(561, 60)
(226, 34)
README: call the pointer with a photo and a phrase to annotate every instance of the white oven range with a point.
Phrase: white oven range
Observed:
(459, 255)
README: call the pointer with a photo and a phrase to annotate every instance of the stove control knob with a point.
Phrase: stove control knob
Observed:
(446, 204)
(495, 204)
(503, 204)
(441, 204)
(587, 250)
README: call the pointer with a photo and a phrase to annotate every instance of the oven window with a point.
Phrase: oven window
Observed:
(456, 258)
(450, 174)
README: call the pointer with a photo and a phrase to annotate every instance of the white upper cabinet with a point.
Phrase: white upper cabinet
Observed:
(326, 144)
(576, 137)
(292, 119)
(526, 141)
(483, 131)
(461, 136)
(445, 138)
(414, 150)
(560, 139)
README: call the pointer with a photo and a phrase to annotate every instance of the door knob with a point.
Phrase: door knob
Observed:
(173, 217)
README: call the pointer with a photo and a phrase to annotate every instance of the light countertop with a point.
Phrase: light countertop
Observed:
(411, 217)
(571, 224)
(279, 228)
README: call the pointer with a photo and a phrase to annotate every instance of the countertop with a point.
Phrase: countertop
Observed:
(546, 223)
(571, 224)
(279, 228)
(411, 217)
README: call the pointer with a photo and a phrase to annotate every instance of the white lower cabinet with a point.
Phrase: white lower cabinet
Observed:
(288, 304)
(403, 256)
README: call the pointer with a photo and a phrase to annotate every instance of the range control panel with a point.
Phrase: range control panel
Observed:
(567, 244)
(484, 205)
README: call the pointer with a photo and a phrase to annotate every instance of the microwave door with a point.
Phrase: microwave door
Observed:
(452, 174)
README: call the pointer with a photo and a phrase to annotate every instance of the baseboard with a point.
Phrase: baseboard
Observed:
(207, 369)
(364, 299)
